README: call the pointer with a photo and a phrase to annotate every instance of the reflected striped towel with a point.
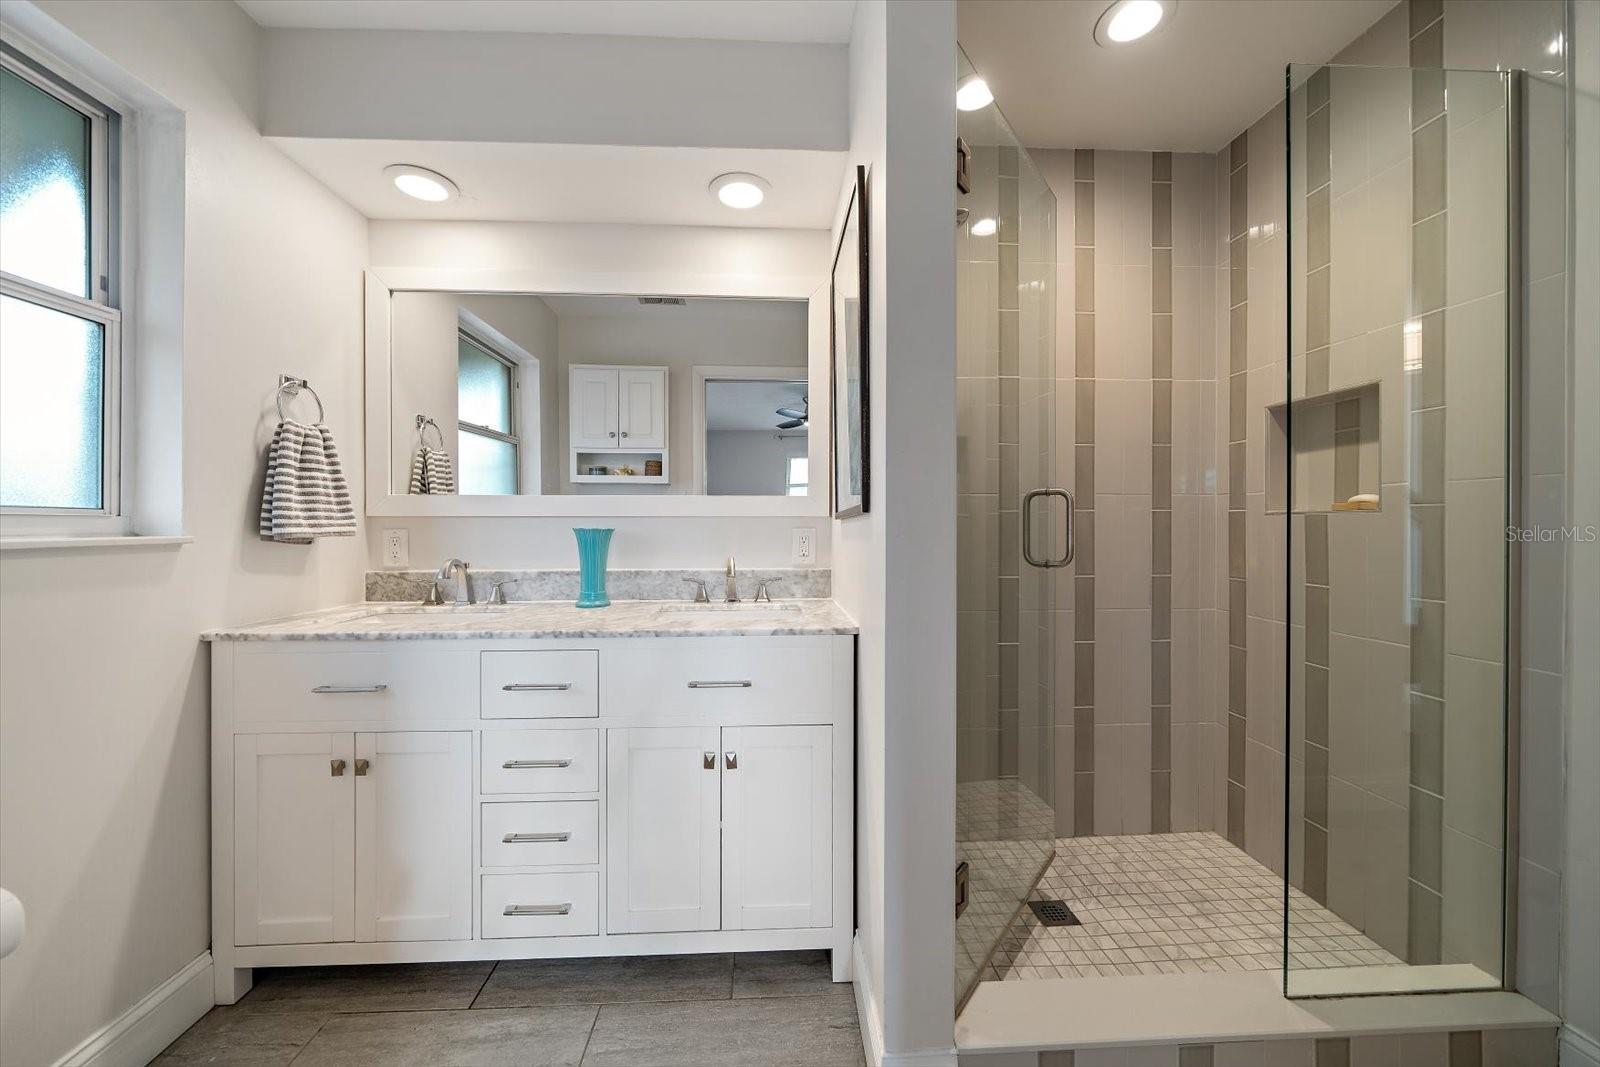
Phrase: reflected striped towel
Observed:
(431, 472)
(305, 494)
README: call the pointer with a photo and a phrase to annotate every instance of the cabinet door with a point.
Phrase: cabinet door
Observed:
(592, 411)
(643, 404)
(777, 812)
(293, 826)
(662, 839)
(413, 836)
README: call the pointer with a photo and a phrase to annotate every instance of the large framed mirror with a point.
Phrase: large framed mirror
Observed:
(487, 396)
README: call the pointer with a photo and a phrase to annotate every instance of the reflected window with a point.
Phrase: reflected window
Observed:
(486, 392)
(799, 475)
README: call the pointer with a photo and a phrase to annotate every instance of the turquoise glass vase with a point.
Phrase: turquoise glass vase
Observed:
(593, 544)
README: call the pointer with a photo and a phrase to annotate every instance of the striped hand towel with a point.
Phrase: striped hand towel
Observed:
(305, 494)
(431, 472)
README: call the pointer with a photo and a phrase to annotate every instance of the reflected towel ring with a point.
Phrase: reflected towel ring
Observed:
(291, 387)
(423, 422)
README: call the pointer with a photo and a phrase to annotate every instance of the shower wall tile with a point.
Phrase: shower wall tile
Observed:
(1474, 749)
(1472, 903)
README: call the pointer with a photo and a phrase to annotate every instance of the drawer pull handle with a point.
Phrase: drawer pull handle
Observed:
(362, 766)
(350, 689)
(337, 766)
(533, 764)
(536, 687)
(720, 685)
(538, 909)
(531, 839)
(730, 760)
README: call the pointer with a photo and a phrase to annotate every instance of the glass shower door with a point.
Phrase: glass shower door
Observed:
(1010, 534)
(1392, 459)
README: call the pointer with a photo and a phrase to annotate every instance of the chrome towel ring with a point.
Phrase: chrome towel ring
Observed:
(291, 387)
(423, 422)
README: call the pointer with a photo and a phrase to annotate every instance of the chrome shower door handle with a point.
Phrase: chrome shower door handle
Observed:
(1027, 529)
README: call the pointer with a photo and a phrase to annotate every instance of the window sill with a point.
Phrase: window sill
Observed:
(23, 544)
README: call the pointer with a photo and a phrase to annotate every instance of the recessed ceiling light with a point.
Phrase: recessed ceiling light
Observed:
(421, 183)
(983, 227)
(973, 93)
(1129, 20)
(742, 191)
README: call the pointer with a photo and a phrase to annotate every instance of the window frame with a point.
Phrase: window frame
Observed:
(514, 379)
(107, 218)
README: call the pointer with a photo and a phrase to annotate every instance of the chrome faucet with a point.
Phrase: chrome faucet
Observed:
(732, 591)
(464, 589)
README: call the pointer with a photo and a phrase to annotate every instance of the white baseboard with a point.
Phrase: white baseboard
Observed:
(139, 1034)
(872, 1024)
(1578, 1049)
(866, 1007)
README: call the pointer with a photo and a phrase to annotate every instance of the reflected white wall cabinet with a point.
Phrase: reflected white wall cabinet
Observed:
(639, 815)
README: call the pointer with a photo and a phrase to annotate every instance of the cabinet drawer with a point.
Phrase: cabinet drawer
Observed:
(533, 833)
(541, 905)
(763, 679)
(541, 761)
(541, 685)
(412, 680)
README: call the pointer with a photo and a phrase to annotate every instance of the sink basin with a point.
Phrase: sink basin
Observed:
(452, 612)
(745, 608)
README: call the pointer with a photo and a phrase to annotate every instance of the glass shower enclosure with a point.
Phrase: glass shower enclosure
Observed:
(1012, 533)
(1393, 461)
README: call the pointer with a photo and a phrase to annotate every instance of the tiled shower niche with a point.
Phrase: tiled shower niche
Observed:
(1325, 451)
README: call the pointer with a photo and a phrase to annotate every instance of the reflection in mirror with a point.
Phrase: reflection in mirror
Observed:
(756, 437)
(546, 394)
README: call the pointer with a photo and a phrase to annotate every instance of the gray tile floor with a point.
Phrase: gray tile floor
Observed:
(747, 1010)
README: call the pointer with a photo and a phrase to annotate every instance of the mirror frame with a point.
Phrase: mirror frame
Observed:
(382, 283)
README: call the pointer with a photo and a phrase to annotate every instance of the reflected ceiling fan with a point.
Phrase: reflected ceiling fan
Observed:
(794, 417)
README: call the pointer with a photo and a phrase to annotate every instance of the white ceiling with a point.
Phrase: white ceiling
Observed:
(576, 183)
(813, 21)
(753, 405)
(1189, 87)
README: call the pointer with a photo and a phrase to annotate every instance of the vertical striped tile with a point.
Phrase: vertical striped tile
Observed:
(1160, 495)
(1008, 504)
(1428, 517)
(1083, 711)
(1238, 418)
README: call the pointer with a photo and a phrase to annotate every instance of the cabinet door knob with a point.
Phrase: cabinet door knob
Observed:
(731, 760)
(613, 433)
(362, 767)
(338, 766)
(624, 433)
(708, 761)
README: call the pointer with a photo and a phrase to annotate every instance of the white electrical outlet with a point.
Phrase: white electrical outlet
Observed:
(803, 548)
(396, 548)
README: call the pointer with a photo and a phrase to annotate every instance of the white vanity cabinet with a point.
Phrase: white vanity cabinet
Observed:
(429, 799)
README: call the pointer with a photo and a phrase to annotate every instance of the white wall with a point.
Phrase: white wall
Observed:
(751, 461)
(104, 802)
(902, 75)
(590, 89)
(554, 258)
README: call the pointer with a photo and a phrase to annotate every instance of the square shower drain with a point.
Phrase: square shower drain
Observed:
(1053, 913)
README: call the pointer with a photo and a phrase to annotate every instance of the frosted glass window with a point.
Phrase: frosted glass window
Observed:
(485, 385)
(486, 390)
(44, 187)
(488, 466)
(52, 408)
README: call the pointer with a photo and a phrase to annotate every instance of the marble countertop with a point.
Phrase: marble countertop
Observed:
(550, 619)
